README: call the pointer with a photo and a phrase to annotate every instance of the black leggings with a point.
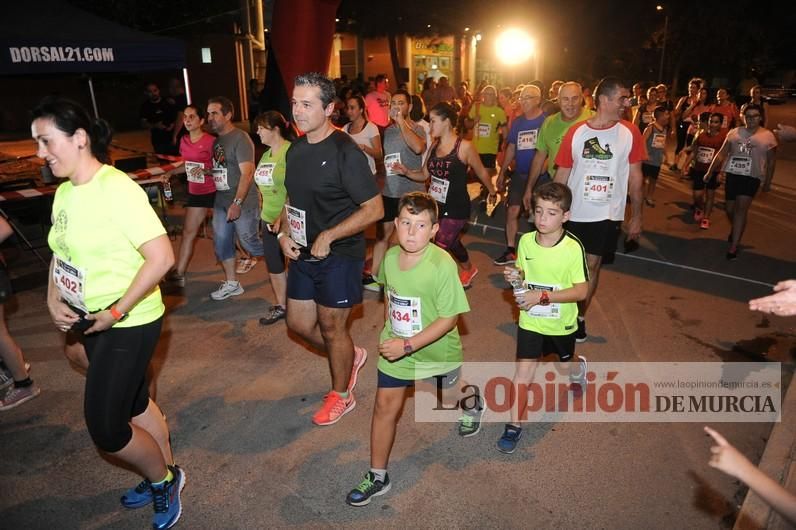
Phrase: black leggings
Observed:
(682, 134)
(274, 259)
(116, 382)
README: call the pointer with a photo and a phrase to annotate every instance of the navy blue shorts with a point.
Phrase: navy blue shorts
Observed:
(332, 282)
(447, 380)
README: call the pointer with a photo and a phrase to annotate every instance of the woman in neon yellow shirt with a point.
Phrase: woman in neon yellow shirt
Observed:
(110, 250)
(275, 132)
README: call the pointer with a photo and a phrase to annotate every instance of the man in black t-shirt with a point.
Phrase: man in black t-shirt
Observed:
(159, 116)
(332, 198)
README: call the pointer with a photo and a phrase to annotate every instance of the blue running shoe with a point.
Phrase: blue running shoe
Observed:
(138, 496)
(508, 442)
(367, 489)
(166, 498)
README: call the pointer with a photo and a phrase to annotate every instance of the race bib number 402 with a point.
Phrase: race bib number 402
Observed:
(69, 279)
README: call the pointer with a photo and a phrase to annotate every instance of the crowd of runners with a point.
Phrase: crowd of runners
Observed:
(349, 161)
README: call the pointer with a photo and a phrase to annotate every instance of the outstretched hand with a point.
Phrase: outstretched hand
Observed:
(782, 302)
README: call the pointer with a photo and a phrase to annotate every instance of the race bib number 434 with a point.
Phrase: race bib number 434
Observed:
(405, 315)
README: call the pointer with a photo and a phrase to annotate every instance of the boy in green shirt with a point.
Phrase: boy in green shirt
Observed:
(419, 341)
(550, 277)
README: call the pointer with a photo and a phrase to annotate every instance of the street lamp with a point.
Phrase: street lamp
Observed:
(663, 47)
(514, 46)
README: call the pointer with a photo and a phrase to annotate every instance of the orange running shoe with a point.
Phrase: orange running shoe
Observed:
(334, 407)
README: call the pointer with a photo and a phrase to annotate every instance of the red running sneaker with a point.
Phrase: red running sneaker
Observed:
(334, 407)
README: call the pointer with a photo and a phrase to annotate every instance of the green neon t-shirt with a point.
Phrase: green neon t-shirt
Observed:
(270, 179)
(486, 133)
(415, 298)
(552, 132)
(98, 228)
(551, 268)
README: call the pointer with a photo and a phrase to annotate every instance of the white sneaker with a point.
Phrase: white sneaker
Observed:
(226, 290)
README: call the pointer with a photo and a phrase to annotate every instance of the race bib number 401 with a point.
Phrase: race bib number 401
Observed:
(598, 188)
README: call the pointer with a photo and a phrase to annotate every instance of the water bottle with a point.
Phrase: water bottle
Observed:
(167, 191)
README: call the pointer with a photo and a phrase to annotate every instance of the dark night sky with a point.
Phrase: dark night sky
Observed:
(581, 39)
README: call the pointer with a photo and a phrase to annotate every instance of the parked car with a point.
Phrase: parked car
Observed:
(775, 94)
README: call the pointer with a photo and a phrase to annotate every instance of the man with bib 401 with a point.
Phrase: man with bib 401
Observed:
(600, 160)
(332, 198)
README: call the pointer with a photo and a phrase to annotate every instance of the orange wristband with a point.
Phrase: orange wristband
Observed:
(116, 314)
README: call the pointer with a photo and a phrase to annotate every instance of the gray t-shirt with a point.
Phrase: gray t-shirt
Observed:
(229, 151)
(396, 185)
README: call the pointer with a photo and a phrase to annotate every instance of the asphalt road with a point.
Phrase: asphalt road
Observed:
(239, 398)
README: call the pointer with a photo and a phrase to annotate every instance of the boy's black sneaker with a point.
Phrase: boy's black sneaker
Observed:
(580, 334)
(367, 489)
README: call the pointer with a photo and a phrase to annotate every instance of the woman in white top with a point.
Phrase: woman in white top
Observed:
(364, 133)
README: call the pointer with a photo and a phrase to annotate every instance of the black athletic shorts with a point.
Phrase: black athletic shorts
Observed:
(599, 238)
(699, 184)
(740, 185)
(488, 160)
(390, 208)
(650, 171)
(533, 345)
(200, 201)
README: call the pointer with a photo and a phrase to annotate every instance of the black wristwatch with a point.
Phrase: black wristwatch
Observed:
(407, 347)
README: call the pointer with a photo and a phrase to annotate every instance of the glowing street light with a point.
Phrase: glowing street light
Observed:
(514, 46)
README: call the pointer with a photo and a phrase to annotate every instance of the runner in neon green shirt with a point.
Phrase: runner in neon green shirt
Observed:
(550, 277)
(570, 98)
(269, 176)
(423, 301)
(110, 250)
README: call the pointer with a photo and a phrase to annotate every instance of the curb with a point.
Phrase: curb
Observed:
(777, 462)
